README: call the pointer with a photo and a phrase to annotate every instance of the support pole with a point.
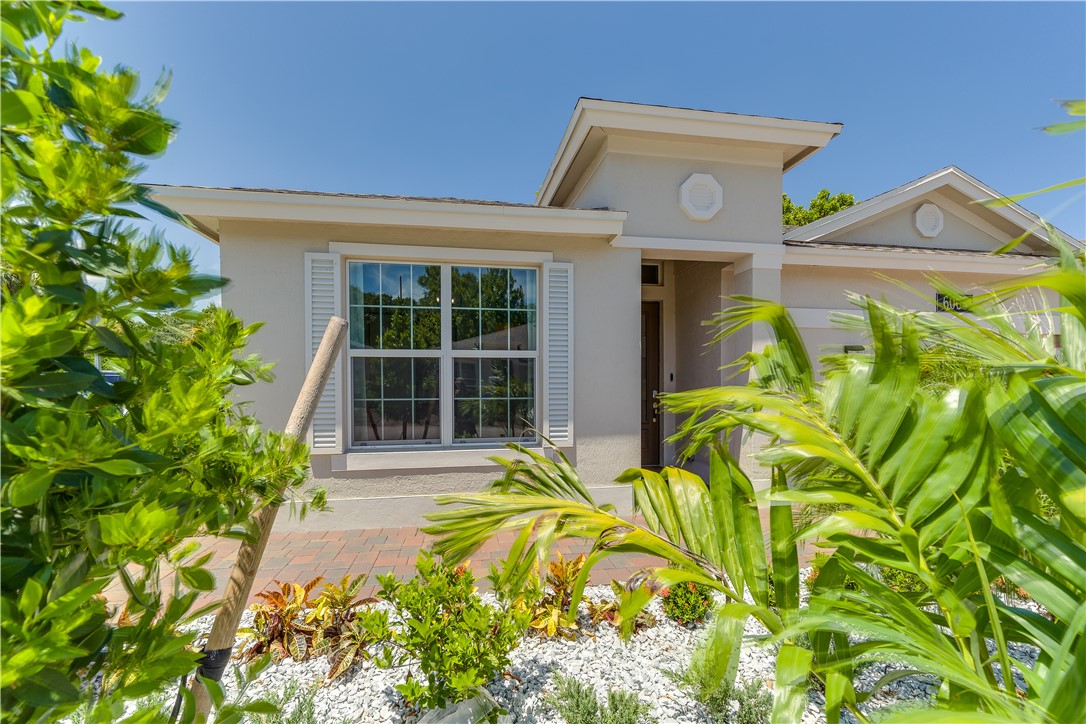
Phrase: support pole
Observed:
(220, 642)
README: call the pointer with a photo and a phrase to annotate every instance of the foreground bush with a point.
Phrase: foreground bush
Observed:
(922, 488)
(105, 480)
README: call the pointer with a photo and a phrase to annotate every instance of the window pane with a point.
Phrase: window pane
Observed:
(396, 399)
(394, 306)
(396, 285)
(465, 287)
(522, 294)
(494, 398)
(522, 331)
(465, 323)
(425, 285)
(495, 329)
(427, 329)
(494, 288)
(505, 298)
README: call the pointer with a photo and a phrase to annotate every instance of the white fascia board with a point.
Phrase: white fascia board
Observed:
(696, 249)
(276, 206)
(909, 261)
(679, 122)
(950, 176)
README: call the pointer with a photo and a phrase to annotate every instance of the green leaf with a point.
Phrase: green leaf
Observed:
(119, 467)
(790, 696)
(18, 107)
(28, 487)
(199, 579)
(47, 688)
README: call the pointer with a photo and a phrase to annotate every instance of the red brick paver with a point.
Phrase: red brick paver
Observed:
(299, 556)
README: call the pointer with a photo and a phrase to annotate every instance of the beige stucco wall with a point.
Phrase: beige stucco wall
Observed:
(648, 188)
(824, 287)
(898, 228)
(265, 264)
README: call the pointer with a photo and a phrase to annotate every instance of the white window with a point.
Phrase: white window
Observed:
(454, 357)
(441, 354)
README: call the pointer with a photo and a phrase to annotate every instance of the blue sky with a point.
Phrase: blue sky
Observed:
(470, 100)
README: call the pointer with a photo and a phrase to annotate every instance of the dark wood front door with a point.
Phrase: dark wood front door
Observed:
(650, 384)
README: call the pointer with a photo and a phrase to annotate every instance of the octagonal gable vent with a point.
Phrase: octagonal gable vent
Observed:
(701, 197)
(929, 220)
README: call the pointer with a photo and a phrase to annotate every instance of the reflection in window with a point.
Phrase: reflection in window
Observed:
(404, 382)
(494, 308)
(396, 398)
(395, 306)
(493, 398)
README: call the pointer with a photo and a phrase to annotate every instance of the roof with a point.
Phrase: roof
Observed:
(910, 249)
(206, 206)
(975, 191)
(343, 195)
(594, 119)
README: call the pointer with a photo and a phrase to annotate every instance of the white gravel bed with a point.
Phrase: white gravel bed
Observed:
(597, 657)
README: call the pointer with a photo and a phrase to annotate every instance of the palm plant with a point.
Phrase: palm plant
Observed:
(939, 483)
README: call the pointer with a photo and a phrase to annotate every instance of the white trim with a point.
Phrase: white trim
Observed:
(759, 260)
(558, 375)
(908, 260)
(316, 208)
(438, 254)
(655, 247)
(706, 181)
(423, 461)
(326, 434)
(895, 198)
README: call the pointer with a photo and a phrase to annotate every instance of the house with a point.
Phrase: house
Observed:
(473, 323)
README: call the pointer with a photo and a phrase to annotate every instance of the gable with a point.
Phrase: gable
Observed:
(952, 216)
(962, 229)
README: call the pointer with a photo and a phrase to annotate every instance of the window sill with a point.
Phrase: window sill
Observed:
(423, 461)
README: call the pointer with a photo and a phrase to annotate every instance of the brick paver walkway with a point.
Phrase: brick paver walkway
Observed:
(299, 556)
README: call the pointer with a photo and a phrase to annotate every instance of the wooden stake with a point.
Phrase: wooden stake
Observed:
(240, 584)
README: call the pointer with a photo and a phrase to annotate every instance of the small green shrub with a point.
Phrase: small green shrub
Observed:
(576, 703)
(687, 602)
(460, 642)
(901, 581)
(727, 702)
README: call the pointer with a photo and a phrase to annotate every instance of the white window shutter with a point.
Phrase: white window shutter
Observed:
(323, 299)
(557, 324)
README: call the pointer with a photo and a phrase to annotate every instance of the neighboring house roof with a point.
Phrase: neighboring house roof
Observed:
(1011, 220)
(907, 249)
(207, 206)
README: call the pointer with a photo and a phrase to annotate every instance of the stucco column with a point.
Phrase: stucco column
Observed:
(754, 275)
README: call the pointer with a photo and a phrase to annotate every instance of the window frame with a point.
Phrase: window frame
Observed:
(445, 354)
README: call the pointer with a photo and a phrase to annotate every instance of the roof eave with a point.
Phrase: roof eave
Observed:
(196, 203)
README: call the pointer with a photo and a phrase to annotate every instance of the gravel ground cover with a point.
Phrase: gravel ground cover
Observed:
(598, 657)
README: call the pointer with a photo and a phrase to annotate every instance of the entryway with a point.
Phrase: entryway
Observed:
(650, 384)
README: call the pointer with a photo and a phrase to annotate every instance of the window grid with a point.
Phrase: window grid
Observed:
(447, 352)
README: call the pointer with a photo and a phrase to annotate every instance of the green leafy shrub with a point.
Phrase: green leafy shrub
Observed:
(460, 642)
(687, 602)
(103, 479)
(576, 703)
(727, 701)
